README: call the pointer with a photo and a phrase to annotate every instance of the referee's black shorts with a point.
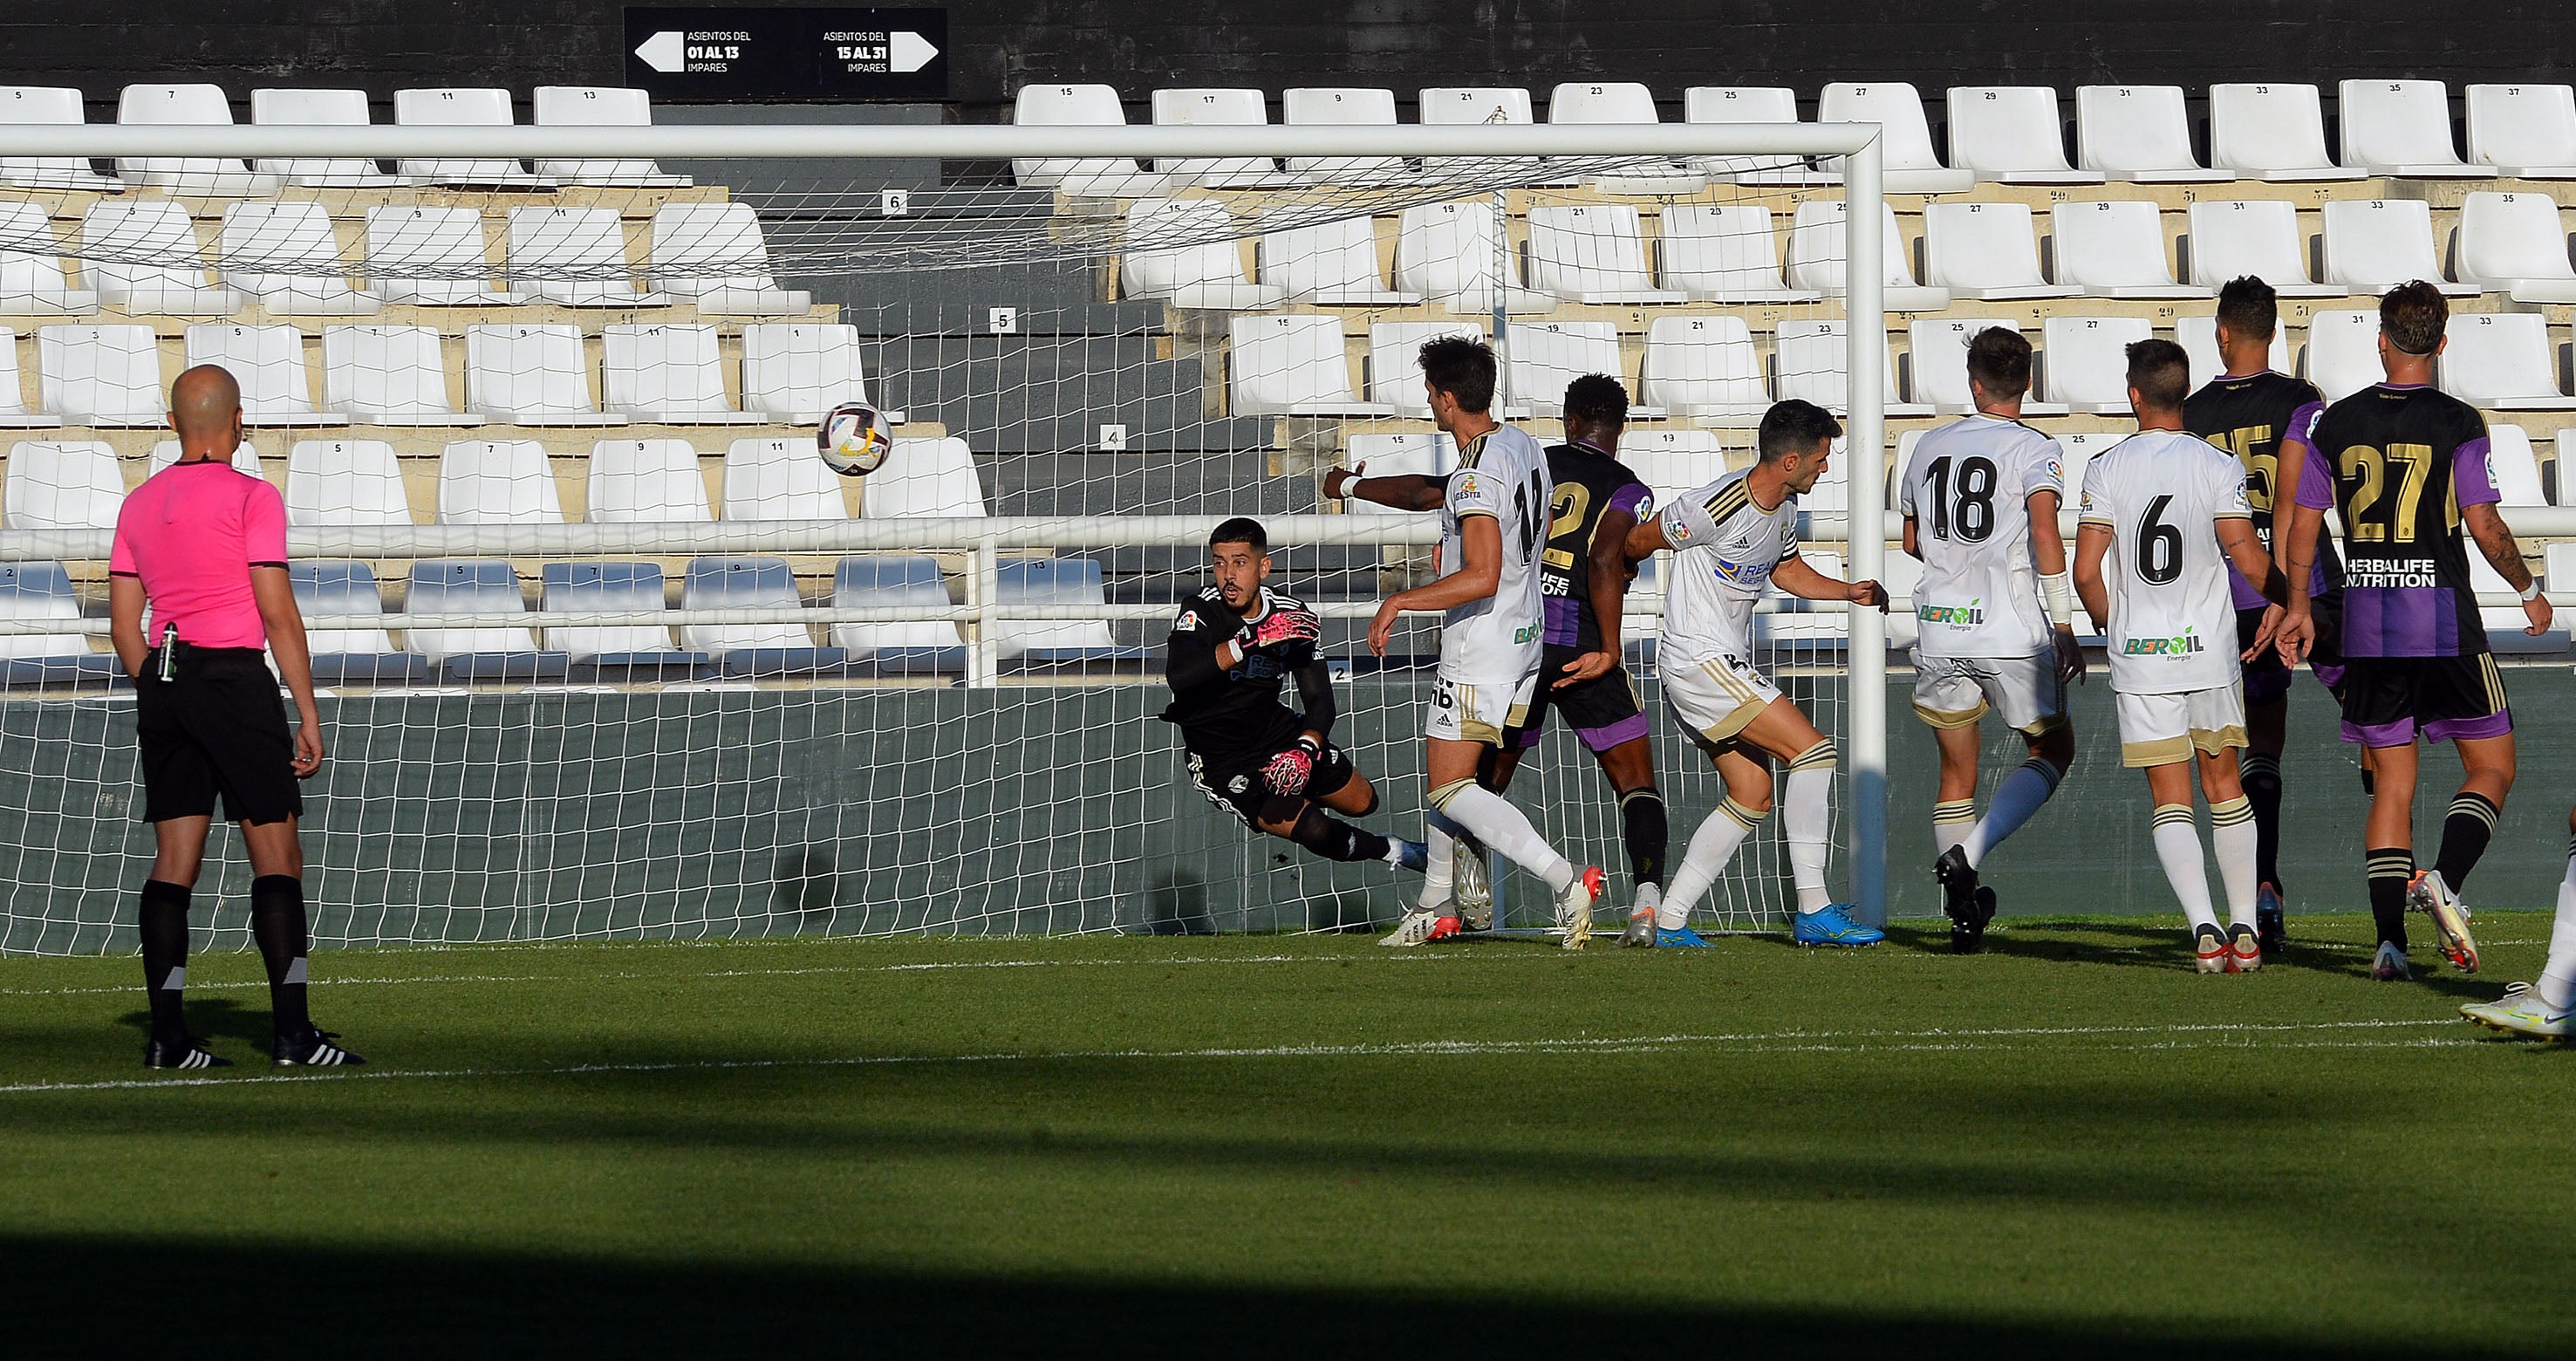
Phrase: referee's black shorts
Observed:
(217, 727)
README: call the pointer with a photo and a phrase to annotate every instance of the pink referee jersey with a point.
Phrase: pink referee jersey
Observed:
(191, 533)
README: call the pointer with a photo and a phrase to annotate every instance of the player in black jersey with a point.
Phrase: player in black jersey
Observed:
(2263, 418)
(1231, 647)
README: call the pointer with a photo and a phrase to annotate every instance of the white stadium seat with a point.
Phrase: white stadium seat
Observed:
(1984, 251)
(497, 482)
(2343, 352)
(388, 375)
(1445, 252)
(61, 484)
(324, 588)
(185, 106)
(1059, 582)
(780, 479)
(748, 583)
(1079, 106)
(1622, 101)
(455, 107)
(1475, 105)
(1407, 455)
(1222, 108)
(345, 482)
(14, 414)
(933, 477)
(575, 257)
(645, 481)
(530, 375)
(1705, 368)
(318, 109)
(1809, 363)
(143, 256)
(1291, 366)
(2082, 447)
(1905, 134)
(1816, 258)
(100, 375)
(2515, 244)
(1342, 107)
(605, 588)
(1329, 264)
(31, 267)
(245, 459)
(432, 257)
(2263, 238)
(1751, 104)
(2198, 337)
(1592, 253)
(1937, 368)
(673, 375)
(713, 256)
(2271, 132)
(2084, 361)
(1394, 366)
(1185, 252)
(876, 580)
(2011, 134)
(2138, 134)
(268, 363)
(467, 586)
(1716, 252)
(2526, 131)
(284, 254)
(1672, 462)
(2401, 128)
(47, 106)
(2503, 360)
(794, 371)
(2115, 249)
(1544, 356)
(2373, 244)
(2516, 468)
(600, 106)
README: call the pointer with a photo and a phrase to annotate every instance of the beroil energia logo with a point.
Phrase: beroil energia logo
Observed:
(2182, 645)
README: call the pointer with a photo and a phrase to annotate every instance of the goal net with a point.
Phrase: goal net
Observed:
(607, 651)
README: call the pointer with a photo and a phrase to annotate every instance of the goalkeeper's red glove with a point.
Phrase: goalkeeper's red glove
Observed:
(1288, 771)
(1287, 625)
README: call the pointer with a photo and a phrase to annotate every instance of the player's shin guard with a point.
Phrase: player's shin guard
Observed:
(1714, 844)
(1491, 819)
(2177, 839)
(2016, 800)
(2465, 834)
(161, 918)
(2558, 977)
(1807, 821)
(2261, 775)
(1334, 839)
(277, 924)
(1952, 820)
(1642, 825)
(2390, 869)
(2232, 837)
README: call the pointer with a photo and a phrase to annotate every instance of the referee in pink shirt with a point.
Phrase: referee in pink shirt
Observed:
(205, 547)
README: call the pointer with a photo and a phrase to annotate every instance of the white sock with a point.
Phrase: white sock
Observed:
(1807, 823)
(1711, 847)
(1491, 819)
(2177, 839)
(1951, 822)
(1435, 871)
(2016, 799)
(2558, 977)
(2231, 839)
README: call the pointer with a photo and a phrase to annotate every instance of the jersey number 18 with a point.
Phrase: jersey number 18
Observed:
(1971, 517)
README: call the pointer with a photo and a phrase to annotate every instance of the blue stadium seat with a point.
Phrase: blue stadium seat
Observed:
(604, 587)
(341, 656)
(1057, 581)
(901, 648)
(753, 649)
(476, 586)
(43, 590)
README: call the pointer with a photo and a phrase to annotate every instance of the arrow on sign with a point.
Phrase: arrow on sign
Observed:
(910, 52)
(666, 51)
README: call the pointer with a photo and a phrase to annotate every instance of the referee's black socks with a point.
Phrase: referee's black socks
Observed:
(277, 923)
(162, 920)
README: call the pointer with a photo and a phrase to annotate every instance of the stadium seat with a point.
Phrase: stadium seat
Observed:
(2343, 352)
(1477, 105)
(2011, 134)
(345, 482)
(1794, 623)
(14, 414)
(1623, 101)
(432, 257)
(1184, 252)
(268, 363)
(1808, 363)
(2559, 569)
(636, 481)
(1722, 253)
(1054, 581)
(1544, 356)
(2261, 238)
(143, 256)
(1672, 462)
(1984, 251)
(600, 106)
(328, 589)
(198, 176)
(1704, 368)
(1342, 106)
(47, 106)
(462, 108)
(794, 371)
(2515, 467)
(670, 374)
(388, 375)
(1394, 364)
(1224, 108)
(2515, 244)
(2114, 249)
(1816, 258)
(1407, 455)
(2401, 129)
(2525, 131)
(2138, 134)
(1080, 106)
(1905, 134)
(2505, 623)
(497, 482)
(2082, 447)
(530, 375)
(574, 257)
(61, 484)
(478, 652)
(1445, 252)
(2504, 361)
(1751, 104)
(2562, 479)
(100, 375)
(780, 479)
(1592, 253)
(2084, 361)
(2198, 337)
(781, 648)
(2275, 133)
(2374, 244)
(611, 588)
(1937, 367)
(712, 255)
(1291, 366)
(318, 108)
(896, 581)
(43, 590)
(31, 267)
(284, 255)
(924, 477)
(1330, 264)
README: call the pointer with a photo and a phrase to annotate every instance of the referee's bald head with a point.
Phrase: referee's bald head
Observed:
(205, 409)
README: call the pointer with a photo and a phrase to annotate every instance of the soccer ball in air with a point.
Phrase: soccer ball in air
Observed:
(854, 439)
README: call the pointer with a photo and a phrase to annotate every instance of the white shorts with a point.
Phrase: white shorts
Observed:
(1713, 700)
(1461, 712)
(1954, 692)
(2160, 730)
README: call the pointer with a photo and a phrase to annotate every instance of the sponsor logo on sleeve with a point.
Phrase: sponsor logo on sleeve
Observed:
(1189, 622)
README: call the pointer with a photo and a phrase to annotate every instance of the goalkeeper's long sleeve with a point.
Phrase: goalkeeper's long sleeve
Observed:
(1315, 691)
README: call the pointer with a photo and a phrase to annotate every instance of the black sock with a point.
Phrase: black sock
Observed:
(1648, 834)
(1334, 839)
(2390, 870)
(2262, 778)
(277, 923)
(161, 918)
(2464, 837)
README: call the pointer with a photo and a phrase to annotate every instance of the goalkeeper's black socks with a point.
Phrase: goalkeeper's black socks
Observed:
(1334, 839)
(161, 918)
(277, 923)
(2390, 869)
(1646, 833)
(2465, 834)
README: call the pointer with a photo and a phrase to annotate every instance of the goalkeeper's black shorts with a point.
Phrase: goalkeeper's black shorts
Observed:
(1237, 784)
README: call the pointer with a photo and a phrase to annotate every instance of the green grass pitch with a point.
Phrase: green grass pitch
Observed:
(2072, 1146)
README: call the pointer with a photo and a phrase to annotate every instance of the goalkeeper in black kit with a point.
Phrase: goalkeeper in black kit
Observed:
(1250, 754)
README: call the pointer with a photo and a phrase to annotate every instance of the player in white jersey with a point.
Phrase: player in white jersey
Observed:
(1992, 616)
(1731, 539)
(2545, 1010)
(2164, 514)
(1493, 512)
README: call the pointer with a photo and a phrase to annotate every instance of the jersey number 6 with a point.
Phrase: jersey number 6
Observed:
(2159, 545)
